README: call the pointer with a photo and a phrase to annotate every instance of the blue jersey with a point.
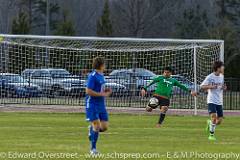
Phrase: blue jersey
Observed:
(96, 83)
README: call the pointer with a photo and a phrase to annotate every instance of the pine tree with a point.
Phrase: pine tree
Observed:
(20, 24)
(40, 9)
(104, 25)
(36, 11)
(66, 27)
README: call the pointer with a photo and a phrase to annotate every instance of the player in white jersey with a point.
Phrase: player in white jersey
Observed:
(214, 84)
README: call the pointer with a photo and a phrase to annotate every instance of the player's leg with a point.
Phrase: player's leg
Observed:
(163, 111)
(94, 128)
(149, 109)
(212, 123)
(99, 123)
(151, 106)
(104, 126)
(219, 120)
(164, 105)
(94, 132)
(104, 121)
(219, 109)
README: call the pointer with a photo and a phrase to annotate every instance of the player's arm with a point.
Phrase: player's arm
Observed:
(155, 80)
(90, 89)
(92, 93)
(207, 85)
(183, 87)
(144, 89)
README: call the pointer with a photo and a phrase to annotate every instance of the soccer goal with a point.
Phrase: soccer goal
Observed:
(190, 59)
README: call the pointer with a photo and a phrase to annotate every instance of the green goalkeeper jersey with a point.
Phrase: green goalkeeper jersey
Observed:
(165, 86)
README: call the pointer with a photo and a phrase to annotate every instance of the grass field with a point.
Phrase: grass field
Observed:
(47, 133)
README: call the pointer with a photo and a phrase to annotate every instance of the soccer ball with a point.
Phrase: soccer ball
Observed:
(153, 102)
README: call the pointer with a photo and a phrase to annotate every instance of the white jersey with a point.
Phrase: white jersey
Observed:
(215, 96)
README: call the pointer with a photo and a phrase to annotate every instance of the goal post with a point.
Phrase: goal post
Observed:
(195, 77)
(190, 59)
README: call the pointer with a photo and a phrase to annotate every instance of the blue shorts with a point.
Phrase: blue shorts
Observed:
(214, 108)
(93, 114)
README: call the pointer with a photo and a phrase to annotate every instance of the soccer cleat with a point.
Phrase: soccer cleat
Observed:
(94, 152)
(208, 126)
(149, 109)
(211, 137)
(158, 125)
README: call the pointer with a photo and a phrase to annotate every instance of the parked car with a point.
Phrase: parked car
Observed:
(133, 79)
(136, 78)
(13, 85)
(117, 89)
(55, 82)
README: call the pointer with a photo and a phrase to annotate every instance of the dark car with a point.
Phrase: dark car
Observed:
(13, 85)
(55, 82)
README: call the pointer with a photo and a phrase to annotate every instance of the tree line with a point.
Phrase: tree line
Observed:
(200, 19)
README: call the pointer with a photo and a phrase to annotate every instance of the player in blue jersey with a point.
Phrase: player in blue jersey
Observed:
(96, 112)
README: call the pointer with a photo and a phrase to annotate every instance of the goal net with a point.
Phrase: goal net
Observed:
(131, 63)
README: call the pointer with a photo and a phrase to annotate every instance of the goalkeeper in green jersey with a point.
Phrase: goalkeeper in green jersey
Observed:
(163, 92)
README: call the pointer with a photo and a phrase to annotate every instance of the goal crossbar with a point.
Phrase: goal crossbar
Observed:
(114, 39)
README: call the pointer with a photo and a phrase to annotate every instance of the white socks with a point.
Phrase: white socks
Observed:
(212, 127)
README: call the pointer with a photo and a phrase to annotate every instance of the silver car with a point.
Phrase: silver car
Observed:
(55, 82)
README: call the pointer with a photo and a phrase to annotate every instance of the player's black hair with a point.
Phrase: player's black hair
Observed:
(98, 62)
(216, 65)
(168, 69)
